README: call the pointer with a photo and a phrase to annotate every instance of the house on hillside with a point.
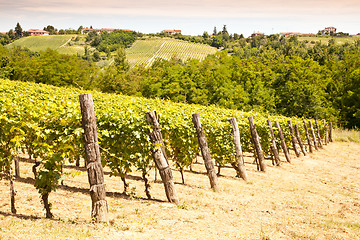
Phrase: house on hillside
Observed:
(257, 34)
(172, 32)
(99, 31)
(37, 32)
(87, 30)
(328, 30)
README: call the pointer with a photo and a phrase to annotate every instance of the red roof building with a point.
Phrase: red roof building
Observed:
(328, 30)
(257, 34)
(37, 32)
(172, 32)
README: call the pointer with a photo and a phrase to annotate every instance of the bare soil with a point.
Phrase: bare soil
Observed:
(315, 197)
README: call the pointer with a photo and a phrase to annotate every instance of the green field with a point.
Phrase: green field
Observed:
(326, 39)
(145, 52)
(55, 42)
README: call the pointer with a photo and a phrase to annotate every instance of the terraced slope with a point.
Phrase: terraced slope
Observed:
(145, 52)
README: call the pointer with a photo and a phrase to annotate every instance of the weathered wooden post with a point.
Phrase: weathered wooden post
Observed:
(256, 159)
(313, 135)
(283, 143)
(308, 137)
(17, 166)
(238, 151)
(205, 152)
(256, 139)
(330, 132)
(160, 158)
(293, 139)
(273, 144)
(326, 137)
(298, 137)
(92, 154)
(318, 134)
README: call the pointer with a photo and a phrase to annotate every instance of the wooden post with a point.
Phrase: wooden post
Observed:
(283, 143)
(259, 151)
(273, 144)
(326, 137)
(160, 158)
(92, 155)
(313, 135)
(238, 151)
(17, 166)
(205, 152)
(256, 159)
(330, 132)
(308, 137)
(293, 139)
(318, 134)
(298, 137)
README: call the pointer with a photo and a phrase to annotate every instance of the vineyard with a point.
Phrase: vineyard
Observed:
(43, 127)
(44, 122)
(145, 52)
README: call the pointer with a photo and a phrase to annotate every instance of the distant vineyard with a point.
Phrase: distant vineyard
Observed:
(145, 52)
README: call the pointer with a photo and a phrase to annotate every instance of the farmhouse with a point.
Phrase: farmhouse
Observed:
(98, 31)
(328, 30)
(37, 32)
(172, 32)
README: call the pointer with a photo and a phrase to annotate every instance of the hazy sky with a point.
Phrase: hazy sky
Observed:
(191, 16)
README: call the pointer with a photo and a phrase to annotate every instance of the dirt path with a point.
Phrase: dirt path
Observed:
(316, 197)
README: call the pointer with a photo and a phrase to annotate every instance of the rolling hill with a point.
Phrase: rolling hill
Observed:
(54, 42)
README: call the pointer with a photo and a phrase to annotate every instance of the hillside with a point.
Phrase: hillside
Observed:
(148, 50)
(316, 197)
(54, 42)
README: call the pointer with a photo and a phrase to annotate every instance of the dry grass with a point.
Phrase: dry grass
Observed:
(316, 197)
(345, 135)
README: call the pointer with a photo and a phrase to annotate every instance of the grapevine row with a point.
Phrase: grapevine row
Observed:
(45, 123)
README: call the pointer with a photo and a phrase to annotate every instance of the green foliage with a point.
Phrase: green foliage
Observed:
(49, 174)
(272, 74)
(114, 40)
(4, 39)
(120, 62)
(48, 67)
(18, 31)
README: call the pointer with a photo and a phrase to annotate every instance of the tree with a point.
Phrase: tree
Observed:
(50, 29)
(214, 32)
(4, 39)
(18, 31)
(205, 35)
(120, 61)
(79, 29)
(224, 31)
